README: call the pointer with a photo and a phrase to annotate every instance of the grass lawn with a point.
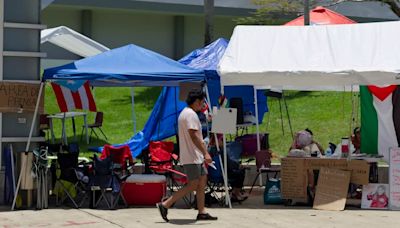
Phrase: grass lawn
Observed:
(327, 114)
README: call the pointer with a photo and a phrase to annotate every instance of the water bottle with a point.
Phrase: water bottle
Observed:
(328, 152)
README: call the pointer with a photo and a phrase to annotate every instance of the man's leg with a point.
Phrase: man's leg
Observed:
(190, 187)
(200, 195)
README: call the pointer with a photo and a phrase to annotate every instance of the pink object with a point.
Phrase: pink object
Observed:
(345, 147)
(144, 189)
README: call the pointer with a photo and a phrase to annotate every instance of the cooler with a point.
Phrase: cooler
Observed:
(144, 189)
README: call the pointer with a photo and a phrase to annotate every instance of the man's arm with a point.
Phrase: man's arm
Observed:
(198, 142)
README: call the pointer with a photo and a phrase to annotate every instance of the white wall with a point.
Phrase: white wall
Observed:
(154, 31)
(117, 28)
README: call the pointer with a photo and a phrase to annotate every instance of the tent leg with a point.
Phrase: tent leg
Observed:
(28, 143)
(287, 113)
(133, 109)
(280, 110)
(227, 198)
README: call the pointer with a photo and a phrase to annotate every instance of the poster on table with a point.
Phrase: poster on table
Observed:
(394, 178)
(375, 196)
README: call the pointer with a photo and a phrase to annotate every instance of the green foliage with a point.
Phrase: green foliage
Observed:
(273, 12)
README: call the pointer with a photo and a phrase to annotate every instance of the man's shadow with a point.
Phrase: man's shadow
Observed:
(185, 222)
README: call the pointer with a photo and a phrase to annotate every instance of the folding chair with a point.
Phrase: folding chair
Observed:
(98, 123)
(122, 167)
(161, 161)
(69, 172)
(263, 164)
(215, 192)
(101, 180)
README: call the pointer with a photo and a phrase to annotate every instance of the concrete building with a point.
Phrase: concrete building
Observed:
(19, 60)
(170, 27)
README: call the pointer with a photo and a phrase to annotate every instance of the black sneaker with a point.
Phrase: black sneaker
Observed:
(206, 216)
(163, 211)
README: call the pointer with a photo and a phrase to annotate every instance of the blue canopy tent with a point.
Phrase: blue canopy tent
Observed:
(163, 119)
(128, 66)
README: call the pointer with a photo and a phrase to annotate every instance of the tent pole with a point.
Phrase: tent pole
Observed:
(227, 198)
(224, 176)
(257, 124)
(28, 143)
(287, 113)
(133, 109)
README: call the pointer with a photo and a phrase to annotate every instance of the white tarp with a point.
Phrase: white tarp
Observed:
(304, 56)
(72, 41)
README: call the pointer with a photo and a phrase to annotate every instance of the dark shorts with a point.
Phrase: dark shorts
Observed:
(194, 171)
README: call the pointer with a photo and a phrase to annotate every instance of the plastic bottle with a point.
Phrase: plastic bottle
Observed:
(328, 152)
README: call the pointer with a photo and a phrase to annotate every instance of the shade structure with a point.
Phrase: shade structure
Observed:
(126, 66)
(326, 55)
(72, 41)
(322, 16)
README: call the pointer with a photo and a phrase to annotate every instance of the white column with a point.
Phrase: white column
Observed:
(28, 142)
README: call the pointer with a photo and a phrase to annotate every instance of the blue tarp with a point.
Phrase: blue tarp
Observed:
(163, 119)
(129, 65)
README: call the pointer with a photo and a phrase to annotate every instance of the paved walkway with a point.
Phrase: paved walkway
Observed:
(251, 213)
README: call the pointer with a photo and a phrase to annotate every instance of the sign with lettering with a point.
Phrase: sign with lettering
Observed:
(394, 178)
(332, 189)
(293, 179)
(19, 97)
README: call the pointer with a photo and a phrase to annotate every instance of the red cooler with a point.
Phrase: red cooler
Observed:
(144, 189)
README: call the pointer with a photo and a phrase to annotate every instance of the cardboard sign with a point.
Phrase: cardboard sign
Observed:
(224, 121)
(394, 178)
(375, 196)
(359, 168)
(293, 179)
(18, 96)
(332, 189)
(359, 171)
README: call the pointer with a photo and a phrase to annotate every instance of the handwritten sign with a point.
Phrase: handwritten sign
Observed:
(293, 179)
(359, 171)
(359, 168)
(18, 96)
(332, 189)
(394, 179)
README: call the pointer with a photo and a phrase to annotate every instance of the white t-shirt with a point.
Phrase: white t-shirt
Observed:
(189, 153)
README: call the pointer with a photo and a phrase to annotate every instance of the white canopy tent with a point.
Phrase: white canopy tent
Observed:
(314, 57)
(72, 41)
(332, 55)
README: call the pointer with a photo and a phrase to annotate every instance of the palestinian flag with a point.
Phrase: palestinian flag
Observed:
(380, 119)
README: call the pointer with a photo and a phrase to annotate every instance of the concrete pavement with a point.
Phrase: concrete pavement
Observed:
(251, 213)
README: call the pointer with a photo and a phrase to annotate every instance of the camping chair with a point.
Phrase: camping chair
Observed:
(263, 164)
(122, 167)
(215, 192)
(98, 123)
(101, 180)
(70, 172)
(161, 161)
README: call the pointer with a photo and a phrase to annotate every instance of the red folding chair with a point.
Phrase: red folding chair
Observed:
(122, 167)
(162, 160)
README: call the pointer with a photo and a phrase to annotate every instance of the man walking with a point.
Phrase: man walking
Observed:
(193, 154)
